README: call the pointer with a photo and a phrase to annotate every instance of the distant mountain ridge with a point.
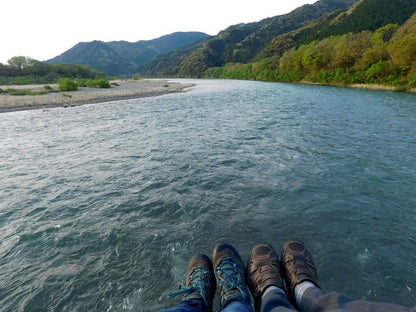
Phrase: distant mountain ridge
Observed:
(239, 43)
(245, 43)
(122, 57)
(192, 54)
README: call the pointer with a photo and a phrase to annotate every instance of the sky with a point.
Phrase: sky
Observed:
(43, 29)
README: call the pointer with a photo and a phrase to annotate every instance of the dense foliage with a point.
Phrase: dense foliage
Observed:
(67, 84)
(367, 41)
(24, 70)
(385, 56)
(362, 16)
(238, 43)
(331, 41)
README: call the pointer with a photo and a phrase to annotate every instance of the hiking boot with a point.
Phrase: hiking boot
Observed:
(263, 270)
(200, 281)
(230, 275)
(297, 266)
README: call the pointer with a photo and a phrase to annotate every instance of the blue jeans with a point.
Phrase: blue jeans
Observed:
(273, 301)
(197, 305)
(276, 301)
(313, 300)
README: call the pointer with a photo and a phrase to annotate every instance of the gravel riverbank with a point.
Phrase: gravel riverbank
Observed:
(122, 89)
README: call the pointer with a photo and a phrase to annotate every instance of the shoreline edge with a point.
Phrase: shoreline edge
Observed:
(120, 90)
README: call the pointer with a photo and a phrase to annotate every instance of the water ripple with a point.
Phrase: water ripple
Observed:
(103, 205)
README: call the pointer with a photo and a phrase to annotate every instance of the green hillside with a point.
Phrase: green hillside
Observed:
(238, 43)
(385, 56)
(121, 57)
(365, 15)
(329, 42)
(98, 55)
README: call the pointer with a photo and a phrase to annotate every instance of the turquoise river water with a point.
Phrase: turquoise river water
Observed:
(102, 206)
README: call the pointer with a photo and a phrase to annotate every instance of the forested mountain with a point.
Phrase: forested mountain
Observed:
(384, 56)
(330, 41)
(365, 15)
(122, 57)
(238, 43)
(272, 37)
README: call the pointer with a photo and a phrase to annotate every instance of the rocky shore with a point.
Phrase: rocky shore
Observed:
(120, 89)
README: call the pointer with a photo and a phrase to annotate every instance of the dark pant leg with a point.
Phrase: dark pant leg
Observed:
(193, 305)
(315, 300)
(276, 301)
(237, 306)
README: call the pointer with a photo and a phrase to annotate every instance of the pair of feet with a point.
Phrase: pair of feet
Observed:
(264, 269)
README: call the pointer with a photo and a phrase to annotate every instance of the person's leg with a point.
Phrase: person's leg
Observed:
(275, 300)
(192, 305)
(199, 288)
(314, 299)
(237, 306)
(265, 282)
(302, 282)
(231, 281)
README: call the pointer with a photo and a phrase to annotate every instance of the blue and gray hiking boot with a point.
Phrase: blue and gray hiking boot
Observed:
(230, 275)
(200, 281)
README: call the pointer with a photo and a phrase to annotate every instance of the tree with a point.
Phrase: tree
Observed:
(20, 62)
(319, 55)
(377, 72)
(292, 60)
(402, 51)
(379, 43)
(350, 48)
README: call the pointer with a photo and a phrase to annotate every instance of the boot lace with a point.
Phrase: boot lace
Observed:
(229, 279)
(197, 282)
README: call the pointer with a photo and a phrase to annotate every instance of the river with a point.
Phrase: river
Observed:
(103, 205)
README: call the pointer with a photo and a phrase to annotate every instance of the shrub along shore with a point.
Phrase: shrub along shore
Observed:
(22, 97)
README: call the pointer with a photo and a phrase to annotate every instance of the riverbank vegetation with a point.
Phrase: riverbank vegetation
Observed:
(335, 42)
(346, 43)
(386, 56)
(68, 84)
(24, 70)
(20, 92)
(44, 96)
(64, 84)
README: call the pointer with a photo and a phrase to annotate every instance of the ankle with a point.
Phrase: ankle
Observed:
(272, 289)
(300, 290)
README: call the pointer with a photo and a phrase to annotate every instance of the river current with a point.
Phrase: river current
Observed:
(102, 206)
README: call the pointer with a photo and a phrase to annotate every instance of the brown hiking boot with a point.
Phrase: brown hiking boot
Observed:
(230, 274)
(263, 270)
(297, 266)
(200, 281)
